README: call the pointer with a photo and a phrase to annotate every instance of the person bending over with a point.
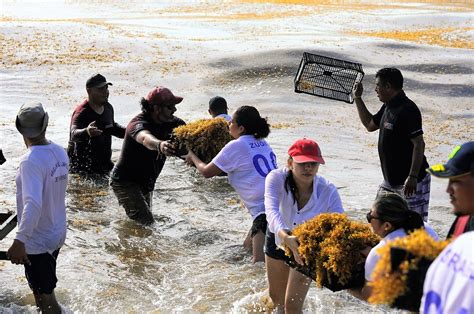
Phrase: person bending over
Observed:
(247, 160)
(293, 195)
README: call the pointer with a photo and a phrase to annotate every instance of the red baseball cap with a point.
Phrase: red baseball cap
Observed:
(305, 150)
(162, 96)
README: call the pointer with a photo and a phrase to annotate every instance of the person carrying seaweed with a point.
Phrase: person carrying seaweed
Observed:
(247, 160)
(293, 195)
(390, 218)
(144, 152)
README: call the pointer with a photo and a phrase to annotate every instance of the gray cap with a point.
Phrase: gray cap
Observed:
(31, 120)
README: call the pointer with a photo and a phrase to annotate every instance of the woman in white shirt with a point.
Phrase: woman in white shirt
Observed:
(390, 218)
(293, 195)
(247, 160)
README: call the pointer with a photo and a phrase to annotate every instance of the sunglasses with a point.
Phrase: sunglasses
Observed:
(170, 107)
(370, 217)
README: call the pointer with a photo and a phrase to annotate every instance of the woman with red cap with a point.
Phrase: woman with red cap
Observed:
(293, 195)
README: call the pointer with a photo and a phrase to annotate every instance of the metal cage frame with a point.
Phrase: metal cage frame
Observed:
(327, 77)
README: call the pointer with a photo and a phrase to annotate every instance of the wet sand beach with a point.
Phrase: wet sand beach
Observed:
(191, 260)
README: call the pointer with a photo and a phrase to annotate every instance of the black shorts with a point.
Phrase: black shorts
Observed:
(275, 252)
(259, 224)
(41, 274)
(272, 250)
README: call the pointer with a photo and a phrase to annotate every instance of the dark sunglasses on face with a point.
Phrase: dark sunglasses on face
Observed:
(170, 107)
(370, 217)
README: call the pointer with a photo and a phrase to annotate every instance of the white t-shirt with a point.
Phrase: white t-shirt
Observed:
(449, 282)
(225, 116)
(282, 209)
(247, 161)
(41, 184)
(374, 257)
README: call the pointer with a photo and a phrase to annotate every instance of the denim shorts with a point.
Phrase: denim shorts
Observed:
(41, 274)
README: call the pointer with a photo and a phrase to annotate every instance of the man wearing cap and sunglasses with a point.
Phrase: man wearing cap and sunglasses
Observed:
(401, 146)
(144, 152)
(41, 206)
(91, 130)
(449, 282)
(460, 171)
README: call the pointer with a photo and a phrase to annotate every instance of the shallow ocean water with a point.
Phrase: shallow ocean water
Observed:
(191, 259)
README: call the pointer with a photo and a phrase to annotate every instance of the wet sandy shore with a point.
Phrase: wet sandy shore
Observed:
(248, 52)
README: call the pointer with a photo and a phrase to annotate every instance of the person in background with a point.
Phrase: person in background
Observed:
(293, 195)
(218, 108)
(449, 282)
(460, 171)
(247, 160)
(2, 158)
(41, 184)
(401, 146)
(144, 152)
(390, 218)
(91, 130)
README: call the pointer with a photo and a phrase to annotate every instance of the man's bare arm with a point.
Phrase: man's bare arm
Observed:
(364, 114)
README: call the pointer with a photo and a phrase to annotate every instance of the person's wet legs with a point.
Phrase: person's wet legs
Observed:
(47, 303)
(298, 286)
(277, 276)
(136, 202)
(258, 241)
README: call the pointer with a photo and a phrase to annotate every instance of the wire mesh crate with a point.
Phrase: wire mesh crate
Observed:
(327, 77)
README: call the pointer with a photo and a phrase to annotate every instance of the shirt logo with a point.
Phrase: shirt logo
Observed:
(388, 125)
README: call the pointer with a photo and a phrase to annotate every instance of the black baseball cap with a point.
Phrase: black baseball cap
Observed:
(460, 162)
(97, 80)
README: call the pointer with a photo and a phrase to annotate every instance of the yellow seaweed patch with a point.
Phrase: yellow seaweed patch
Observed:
(331, 243)
(205, 137)
(139, 254)
(446, 37)
(281, 126)
(230, 11)
(45, 48)
(389, 283)
(366, 3)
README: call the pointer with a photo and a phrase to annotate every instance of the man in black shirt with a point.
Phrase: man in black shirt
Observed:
(144, 152)
(91, 130)
(401, 146)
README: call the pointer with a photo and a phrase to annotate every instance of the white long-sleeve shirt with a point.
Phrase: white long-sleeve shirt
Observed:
(449, 282)
(282, 210)
(41, 184)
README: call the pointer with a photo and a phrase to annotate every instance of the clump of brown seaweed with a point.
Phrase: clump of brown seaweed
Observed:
(205, 137)
(331, 245)
(400, 272)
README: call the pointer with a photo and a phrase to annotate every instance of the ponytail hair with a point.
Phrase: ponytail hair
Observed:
(250, 119)
(393, 208)
(290, 185)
